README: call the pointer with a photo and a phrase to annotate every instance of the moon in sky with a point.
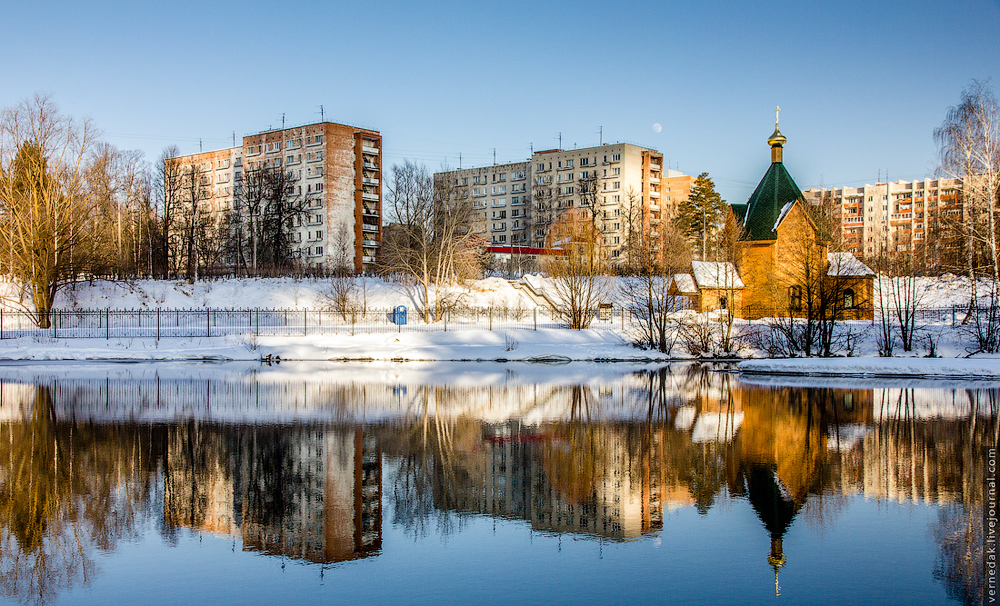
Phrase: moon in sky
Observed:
(656, 127)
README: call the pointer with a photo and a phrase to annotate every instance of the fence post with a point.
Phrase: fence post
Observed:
(208, 322)
(447, 313)
(305, 321)
(623, 318)
(157, 323)
(55, 326)
(1, 323)
(258, 322)
(107, 323)
(536, 318)
(491, 319)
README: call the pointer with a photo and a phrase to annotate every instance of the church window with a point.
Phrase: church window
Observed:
(795, 297)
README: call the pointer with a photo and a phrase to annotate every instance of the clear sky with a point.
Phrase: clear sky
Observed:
(861, 84)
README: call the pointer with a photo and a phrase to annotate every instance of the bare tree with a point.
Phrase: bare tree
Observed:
(649, 298)
(46, 196)
(431, 239)
(580, 274)
(969, 148)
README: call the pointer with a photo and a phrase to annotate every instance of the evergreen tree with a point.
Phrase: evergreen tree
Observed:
(702, 216)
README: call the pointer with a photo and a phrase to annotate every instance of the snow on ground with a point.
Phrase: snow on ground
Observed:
(312, 293)
(243, 293)
(958, 368)
(542, 345)
(607, 343)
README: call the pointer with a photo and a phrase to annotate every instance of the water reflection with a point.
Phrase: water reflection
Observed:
(295, 469)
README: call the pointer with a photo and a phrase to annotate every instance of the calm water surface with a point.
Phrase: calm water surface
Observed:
(429, 484)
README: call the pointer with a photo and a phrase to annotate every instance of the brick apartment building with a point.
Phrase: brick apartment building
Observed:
(516, 203)
(335, 169)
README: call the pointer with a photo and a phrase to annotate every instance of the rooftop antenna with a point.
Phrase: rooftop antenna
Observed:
(460, 160)
(234, 138)
(200, 148)
(531, 146)
(560, 140)
(321, 117)
(600, 133)
(494, 156)
(282, 120)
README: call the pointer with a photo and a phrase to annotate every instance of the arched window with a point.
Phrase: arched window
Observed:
(848, 298)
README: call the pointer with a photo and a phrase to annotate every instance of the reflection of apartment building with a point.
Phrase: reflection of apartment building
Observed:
(622, 184)
(538, 478)
(900, 216)
(308, 493)
(335, 172)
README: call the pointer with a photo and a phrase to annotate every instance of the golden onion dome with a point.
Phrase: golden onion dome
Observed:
(776, 138)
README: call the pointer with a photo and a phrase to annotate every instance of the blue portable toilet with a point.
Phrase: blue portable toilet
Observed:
(399, 315)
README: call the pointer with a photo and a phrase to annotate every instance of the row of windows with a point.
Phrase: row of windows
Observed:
(275, 146)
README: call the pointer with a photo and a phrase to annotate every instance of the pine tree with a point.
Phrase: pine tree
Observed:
(702, 216)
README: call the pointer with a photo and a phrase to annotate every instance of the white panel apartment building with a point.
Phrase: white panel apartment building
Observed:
(336, 168)
(515, 204)
(898, 217)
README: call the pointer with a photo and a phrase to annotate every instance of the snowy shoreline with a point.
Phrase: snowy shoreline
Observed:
(911, 368)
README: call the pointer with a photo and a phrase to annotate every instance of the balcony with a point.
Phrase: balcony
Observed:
(371, 151)
(369, 227)
(654, 194)
(369, 166)
(654, 180)
(370, 243)
(369, 181)
(654, 207)
(369, 196)
(654, 166)
(370, 212)
(367, 259)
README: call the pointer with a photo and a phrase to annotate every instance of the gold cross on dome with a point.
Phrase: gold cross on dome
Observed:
(776, 110)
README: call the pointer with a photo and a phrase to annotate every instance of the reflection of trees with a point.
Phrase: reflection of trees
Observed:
(54, 509)
(960, 563)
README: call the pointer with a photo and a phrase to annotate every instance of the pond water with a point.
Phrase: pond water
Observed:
(487, 484)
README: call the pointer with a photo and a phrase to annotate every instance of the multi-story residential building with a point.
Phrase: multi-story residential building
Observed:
(622, 184)
(334, 170)
(901, 216)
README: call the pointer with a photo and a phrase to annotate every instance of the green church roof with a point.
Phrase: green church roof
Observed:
(769, 203)
(740, 210)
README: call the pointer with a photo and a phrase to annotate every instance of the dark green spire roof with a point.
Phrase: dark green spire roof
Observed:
(776, 190)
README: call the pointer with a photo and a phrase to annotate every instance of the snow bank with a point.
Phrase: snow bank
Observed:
(960, 368)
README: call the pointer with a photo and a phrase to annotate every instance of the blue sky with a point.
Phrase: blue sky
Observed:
(861, 84)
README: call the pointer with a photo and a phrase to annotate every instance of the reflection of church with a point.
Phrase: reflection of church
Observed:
(303, 492)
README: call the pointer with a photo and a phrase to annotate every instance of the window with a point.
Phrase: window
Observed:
(848, 298)
(616, 157)
(795, 298)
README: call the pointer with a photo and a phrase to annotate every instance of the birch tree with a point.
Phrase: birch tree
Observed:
(45, 198)
(969, 147)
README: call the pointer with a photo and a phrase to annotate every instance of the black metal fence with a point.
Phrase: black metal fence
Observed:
(169, 323)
